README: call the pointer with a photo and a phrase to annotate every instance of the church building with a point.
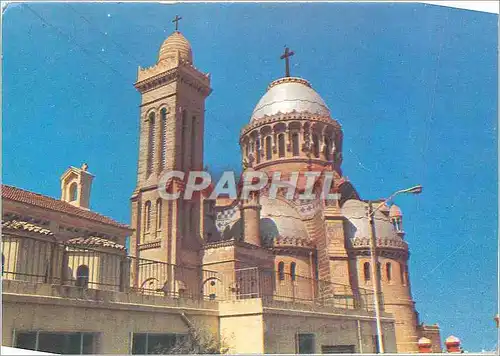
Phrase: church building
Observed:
(266, 275)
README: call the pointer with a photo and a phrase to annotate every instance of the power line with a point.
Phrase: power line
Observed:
(121, 49)
(62, 33)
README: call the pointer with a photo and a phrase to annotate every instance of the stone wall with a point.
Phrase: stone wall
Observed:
(115, 316)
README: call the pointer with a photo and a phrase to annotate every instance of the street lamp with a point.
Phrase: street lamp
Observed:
(374, 261)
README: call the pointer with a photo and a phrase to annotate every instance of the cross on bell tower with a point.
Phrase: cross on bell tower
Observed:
(176, 20)
(286, 56)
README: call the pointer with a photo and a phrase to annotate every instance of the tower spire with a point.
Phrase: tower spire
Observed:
(286, 56)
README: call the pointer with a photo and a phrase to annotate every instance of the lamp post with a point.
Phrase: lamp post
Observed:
(374, 260)
(497, 321)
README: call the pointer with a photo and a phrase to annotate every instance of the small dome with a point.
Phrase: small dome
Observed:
(176, 42)
(395, 212)
(279, 219)
(290, 94)
(424, 341)
(452, 340)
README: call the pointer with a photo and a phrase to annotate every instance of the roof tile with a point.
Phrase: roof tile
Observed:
(45, 202)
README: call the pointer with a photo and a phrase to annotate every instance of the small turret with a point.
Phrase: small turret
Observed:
(396, 217)
(75, 186)
(250, 215)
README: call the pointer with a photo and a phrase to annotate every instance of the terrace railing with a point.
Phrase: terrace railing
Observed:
(275, 287)
(42, 261)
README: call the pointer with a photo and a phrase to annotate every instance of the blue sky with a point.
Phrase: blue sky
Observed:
(414, 87)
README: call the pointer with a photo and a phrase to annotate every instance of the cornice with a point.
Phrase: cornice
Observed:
(183, 74)
(293, 116)
(149, 245)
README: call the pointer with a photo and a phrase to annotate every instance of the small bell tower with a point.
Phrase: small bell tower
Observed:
(75, 186)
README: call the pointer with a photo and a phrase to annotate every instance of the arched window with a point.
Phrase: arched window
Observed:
(281, 271)
(82, 276)
(293, 270)
(315, 146)
(257, 149)
(388, 271)
(366, 271)
(295, 144)
(281, 145)
(184, 136)
(379, 271)
(147, 216)
(73, 191)
(194, 141)
(163, 139)
(328, 147)
(158, 214)
(269, 149)
(407, 277)
(192, 217)
(151, 142)
(402, 273)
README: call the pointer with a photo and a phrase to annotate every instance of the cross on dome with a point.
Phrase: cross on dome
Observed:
(286, 56)
(176, 20)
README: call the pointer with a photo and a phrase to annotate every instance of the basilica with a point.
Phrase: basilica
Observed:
(267, 275)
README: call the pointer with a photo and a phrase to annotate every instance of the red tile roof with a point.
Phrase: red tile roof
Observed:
(26, 226)
(95, 241)
(45, 202)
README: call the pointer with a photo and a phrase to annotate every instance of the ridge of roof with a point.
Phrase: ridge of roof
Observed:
(46, 202)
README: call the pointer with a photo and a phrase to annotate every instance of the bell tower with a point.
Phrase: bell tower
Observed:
(171, 122)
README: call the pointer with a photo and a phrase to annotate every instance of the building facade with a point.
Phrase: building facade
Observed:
(267, 275)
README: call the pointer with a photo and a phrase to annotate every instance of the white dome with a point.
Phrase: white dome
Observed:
(290, 94)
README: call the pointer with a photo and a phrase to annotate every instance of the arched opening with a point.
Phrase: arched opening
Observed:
(257, 150)
(366, 271)
(73, 191)
(379, 271)
(269, 149)
(281, 271)
(147, 216)
(163, 139)
(151, 142)
(328, 147)
(406, 277)
(388, 271)
(209, 287)
(281, 145)
(184, 135)
(315, 147)
(194, 141)
(193, 221)
(401, 272)
(295, 144)
(158, 214)
(293, 268)
(82, 276)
